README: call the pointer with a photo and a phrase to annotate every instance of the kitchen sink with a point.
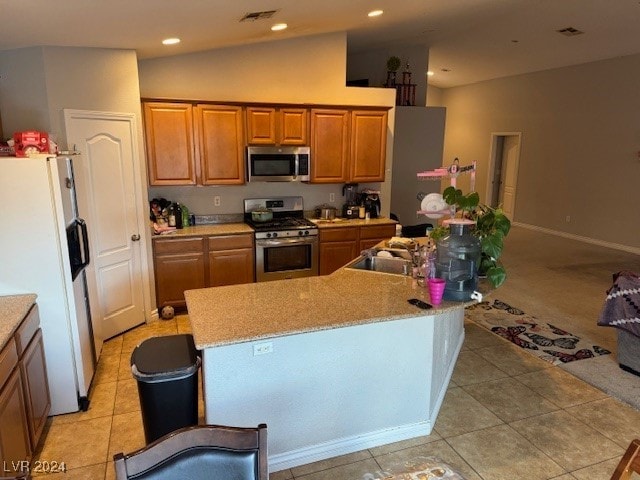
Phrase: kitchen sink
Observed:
(394, 265)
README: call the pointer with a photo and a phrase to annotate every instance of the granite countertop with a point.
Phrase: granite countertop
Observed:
(209, 229)
(243, 313)
(354, 222)
(237, 228)
(14, 308)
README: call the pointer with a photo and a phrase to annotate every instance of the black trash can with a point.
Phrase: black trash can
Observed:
(166, 369)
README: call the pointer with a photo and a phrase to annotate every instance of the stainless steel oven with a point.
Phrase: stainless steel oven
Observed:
(283, 258)
(287, 244)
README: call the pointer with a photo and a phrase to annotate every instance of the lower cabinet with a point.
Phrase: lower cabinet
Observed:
(231, 260)
(15, 445)
(340, 245)
(179, 265)
(374, 234)
(197, 262)
(24, 394)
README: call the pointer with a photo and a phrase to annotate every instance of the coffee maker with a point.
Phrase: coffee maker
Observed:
(371, 201)
(351, 201)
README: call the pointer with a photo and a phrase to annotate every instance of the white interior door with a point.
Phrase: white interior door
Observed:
(107, 200)
(503, 177)
(509, 177)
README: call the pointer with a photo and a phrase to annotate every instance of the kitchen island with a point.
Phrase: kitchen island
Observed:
(333, 364)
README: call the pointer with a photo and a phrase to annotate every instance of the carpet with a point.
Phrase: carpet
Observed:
(543, 339)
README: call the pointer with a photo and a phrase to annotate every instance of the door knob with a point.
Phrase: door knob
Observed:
(135, 237)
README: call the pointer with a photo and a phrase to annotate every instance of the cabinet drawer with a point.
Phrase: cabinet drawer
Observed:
(8, 360)
(378, 231)
(178, 245)
(338, 234)
(27, 330)
(230, 242)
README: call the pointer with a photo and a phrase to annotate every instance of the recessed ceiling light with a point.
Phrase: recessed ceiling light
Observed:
(279, 26)
(375, 13)
(170, 41)
(430, 73)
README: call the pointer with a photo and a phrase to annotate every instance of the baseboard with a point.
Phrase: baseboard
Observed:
(347, 445)
(593, 241)
(154, 315)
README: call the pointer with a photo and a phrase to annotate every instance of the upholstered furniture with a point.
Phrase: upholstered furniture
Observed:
(200, 452)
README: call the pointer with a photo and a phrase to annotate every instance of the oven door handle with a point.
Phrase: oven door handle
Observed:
(286, 241)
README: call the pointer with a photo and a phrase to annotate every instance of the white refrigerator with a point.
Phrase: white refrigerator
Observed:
(44, 249)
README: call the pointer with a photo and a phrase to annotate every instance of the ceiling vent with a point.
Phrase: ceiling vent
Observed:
(253, 16)
(570, 32)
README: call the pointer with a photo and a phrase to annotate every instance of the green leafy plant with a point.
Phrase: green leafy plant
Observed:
(492, 226)
(393, 64)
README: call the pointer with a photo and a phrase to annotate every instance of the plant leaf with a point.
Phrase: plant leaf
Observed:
(496, 276)
(492, 245)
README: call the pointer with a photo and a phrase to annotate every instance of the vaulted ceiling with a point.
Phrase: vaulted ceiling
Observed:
(468, 40)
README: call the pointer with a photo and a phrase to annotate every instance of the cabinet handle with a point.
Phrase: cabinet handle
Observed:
(135, 237)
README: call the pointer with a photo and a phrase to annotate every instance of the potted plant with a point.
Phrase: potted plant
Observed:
(393, 64)
(492, 226)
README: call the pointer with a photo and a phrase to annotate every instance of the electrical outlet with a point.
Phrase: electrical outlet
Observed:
(262, 348)
(567, 218)
(332, 197)
(216, 201)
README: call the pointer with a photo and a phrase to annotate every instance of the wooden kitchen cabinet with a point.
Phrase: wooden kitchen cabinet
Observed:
(277, 126)
(199, 262)
(348, 145)
(370, 236)
(179, 265)
(329, 145)
(338, 246)
(368, 146)
(220, 133)
(15, 443)
(34, 374)
(231, 260)
(170, 143)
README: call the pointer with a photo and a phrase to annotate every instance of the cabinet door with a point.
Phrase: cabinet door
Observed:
(170, 143)
(34, 375)
(15, 446)
(261, 125)
(329, 145)
(368, 146)
(293, 126)
(334, 255)
(179, 266)
(372, 235)
(231, 267)
(221, 140)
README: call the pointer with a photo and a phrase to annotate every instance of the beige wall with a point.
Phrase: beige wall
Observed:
(304, 70)
(580, 141)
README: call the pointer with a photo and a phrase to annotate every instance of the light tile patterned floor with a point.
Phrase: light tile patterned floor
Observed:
(507, 415)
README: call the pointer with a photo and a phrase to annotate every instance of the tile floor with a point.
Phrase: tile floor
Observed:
(506, 416)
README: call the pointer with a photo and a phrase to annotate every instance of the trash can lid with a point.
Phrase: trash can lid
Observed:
(162, 358)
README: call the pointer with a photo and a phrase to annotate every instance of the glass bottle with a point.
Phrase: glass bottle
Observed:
(458, 259)
(171, 215)
(177, 210)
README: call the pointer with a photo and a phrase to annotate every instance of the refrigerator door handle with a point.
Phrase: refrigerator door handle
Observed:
(85, 242)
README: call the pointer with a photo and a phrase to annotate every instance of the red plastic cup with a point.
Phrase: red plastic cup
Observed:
(436, 290)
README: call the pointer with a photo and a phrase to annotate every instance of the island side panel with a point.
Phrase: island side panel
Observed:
(326, 393)
(449, 336)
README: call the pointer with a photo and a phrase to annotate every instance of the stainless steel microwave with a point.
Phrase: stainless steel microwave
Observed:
(278, 164)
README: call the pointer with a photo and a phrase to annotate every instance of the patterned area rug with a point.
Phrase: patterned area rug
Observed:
(543, 339)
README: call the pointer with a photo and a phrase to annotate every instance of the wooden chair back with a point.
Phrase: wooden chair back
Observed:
(200, 452)
(630, 462)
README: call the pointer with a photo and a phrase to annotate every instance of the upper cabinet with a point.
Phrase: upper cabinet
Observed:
(348, 145)
(277, 126)
(368, 146)
(329, 145)
(221, 144)
(194, 145)
(169, 137)
(204, 143)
